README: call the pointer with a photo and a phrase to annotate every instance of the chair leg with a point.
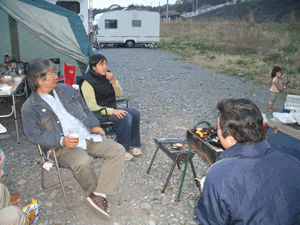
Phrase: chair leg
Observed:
(43, 180)
(60, 180)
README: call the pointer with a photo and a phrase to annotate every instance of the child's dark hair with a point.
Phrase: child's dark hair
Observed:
(275, 70)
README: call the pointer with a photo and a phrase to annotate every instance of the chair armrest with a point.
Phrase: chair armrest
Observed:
(123, 100)
(98, 114)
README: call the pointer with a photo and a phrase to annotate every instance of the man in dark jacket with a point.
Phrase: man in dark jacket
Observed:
(251, 182)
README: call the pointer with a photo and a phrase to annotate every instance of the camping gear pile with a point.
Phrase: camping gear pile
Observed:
(35, 29)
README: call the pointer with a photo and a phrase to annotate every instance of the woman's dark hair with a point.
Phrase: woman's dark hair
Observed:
(275, 70)
(95, 59)
(241, 119)
(38, 68)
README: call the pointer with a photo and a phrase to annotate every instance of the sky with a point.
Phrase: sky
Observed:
(101, 4)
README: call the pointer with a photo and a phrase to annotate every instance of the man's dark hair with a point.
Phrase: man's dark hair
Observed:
(241, 119)
(95, 59)
(38, 68)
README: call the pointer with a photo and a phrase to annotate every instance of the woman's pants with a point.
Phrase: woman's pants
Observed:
(128, 128)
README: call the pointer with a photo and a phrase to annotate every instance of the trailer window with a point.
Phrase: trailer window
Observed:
(72, 6)
(111, 24)
(136, 23)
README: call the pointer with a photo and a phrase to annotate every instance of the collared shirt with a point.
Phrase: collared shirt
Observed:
(68, 121)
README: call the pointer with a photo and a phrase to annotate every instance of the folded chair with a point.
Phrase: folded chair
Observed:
(69, 74)
(43, 153)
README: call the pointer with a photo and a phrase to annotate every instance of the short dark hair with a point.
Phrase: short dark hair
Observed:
(95, 59)
(38, 68)
(275, 70)
(241, 119)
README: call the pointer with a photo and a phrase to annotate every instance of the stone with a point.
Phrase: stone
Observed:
(53, 194)
(157, 187)
(146, 206)
(22, 182)
(48, 216)
(48, 203)
(68, 187)
(151, 222)
(57, 221)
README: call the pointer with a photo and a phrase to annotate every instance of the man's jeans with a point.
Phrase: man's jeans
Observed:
(128, 128)
(81, 162)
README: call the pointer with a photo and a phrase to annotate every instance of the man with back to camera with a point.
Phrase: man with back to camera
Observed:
(251, 182)
(49, 114)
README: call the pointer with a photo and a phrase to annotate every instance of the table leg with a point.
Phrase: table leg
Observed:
(170, 174)
(152, 160)
(15, 117)
(26, 88)
(194, 172)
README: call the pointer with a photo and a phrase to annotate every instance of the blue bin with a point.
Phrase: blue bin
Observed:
(284, 135)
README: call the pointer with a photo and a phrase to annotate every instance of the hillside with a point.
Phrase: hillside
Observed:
(268, 10)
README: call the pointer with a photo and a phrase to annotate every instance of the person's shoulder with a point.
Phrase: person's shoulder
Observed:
(28, 102)
(286, 152)
(222, 168)
(62, 86)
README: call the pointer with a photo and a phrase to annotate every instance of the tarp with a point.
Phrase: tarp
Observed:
(59, 28)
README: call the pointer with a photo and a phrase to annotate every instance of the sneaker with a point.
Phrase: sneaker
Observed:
(135, 151)
(100, 205)
(128, 156)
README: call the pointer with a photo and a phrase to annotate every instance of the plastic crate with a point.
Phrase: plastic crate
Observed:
(292, 101)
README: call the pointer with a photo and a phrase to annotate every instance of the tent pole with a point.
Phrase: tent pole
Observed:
(14, 38)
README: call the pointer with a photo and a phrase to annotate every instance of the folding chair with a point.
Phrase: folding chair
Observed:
(108, 127)
(57, 62)
(43, 153)
(69, 74)
(123, 100)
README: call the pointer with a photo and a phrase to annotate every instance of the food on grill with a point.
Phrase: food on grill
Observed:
(178, 145)
(200, 133)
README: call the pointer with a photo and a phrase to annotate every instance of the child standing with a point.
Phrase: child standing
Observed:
(276, 88)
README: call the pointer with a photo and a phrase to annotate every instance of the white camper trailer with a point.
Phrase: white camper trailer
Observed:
(81, 7)
(128, 27)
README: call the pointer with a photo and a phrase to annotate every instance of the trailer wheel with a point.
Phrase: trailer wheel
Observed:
(129, 44)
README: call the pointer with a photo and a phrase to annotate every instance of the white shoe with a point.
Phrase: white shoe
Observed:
(128, 156)
(135, 151)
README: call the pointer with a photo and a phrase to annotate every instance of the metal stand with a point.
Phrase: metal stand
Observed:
(178, 157)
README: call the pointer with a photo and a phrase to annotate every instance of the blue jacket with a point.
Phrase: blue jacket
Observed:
(40, 123)
(252, 184)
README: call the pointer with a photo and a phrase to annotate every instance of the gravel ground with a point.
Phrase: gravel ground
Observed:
(171, 94)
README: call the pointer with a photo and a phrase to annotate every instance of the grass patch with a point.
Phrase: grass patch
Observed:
(235, 47)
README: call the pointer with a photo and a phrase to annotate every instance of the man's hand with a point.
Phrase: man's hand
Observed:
(119, 113)
(98, 130)
(110, 77)
(69, 141)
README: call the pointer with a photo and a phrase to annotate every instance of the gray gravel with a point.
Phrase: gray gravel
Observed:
(171, 94)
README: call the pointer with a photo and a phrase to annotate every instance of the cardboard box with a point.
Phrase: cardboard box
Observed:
(283, 134)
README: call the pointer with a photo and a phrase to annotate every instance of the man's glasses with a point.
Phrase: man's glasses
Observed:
(52, 75)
